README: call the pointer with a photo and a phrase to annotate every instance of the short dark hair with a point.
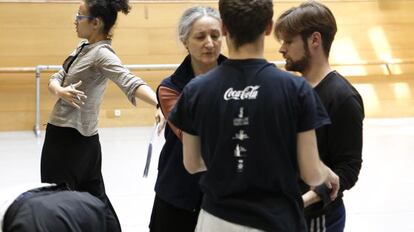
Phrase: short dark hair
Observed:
(307, 18)
(107, 11)
(245, 20)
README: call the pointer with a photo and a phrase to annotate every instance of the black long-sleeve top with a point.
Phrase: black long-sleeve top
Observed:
(339, 143)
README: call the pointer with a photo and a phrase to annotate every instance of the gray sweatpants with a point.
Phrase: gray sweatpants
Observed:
(210, 223)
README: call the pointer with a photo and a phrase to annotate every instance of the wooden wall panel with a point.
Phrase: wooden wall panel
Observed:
(32, 35)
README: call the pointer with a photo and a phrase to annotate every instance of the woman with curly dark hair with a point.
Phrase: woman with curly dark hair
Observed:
(72, 152)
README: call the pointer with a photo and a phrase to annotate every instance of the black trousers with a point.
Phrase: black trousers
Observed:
(71, 158)
(168, 218)
(50, 209)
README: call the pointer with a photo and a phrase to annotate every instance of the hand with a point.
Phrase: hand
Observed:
(159, 118)
(332, 182)
(310, 198)
(71, 95)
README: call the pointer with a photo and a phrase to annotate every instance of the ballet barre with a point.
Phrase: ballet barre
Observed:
(158, 67)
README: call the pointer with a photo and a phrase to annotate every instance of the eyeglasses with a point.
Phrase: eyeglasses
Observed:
(79, 17)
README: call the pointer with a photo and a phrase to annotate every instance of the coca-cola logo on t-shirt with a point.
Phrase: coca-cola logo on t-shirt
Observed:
(248, 93)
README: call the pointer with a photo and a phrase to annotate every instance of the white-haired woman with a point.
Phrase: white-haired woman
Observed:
(178, 196)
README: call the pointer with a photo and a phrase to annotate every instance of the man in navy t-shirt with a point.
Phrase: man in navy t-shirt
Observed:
(251, 126)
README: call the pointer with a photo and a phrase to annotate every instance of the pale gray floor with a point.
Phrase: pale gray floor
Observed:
(381, 201)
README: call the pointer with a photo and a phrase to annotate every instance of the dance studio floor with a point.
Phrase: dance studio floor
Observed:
(382, 200)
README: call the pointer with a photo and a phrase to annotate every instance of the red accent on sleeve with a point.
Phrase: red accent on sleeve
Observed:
(168, 98)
